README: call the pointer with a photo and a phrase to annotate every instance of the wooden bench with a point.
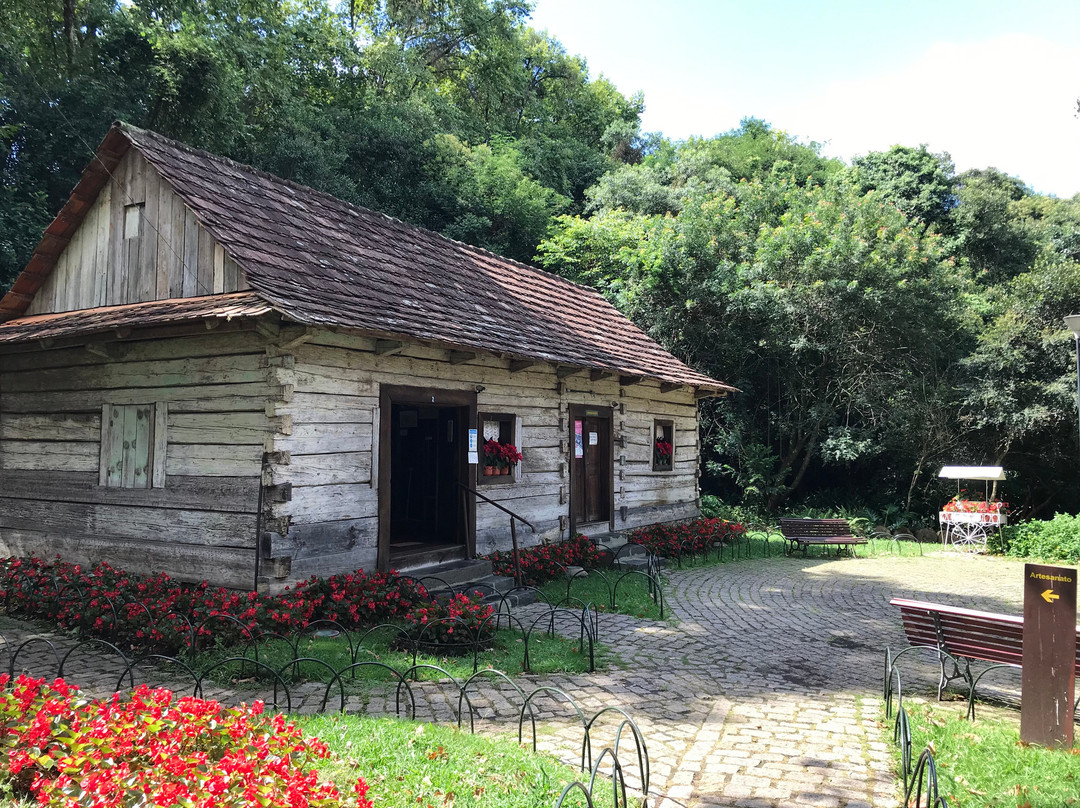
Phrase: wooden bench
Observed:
(960, 636)
(802, 534)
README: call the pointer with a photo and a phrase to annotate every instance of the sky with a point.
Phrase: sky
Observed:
(992, 83)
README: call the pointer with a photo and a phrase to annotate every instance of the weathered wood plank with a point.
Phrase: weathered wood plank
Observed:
(230, 494)
(166, 250)
(144, 280)
(325, 409)
(58, 455)
(115, 259)
(331, 538)
(325, 439)
(244, 368)
(189, 284)
(213, 461)
(207, 246)
(220, 566)
(51, 426)
(208, 528)
(132, 438)
(107, 441)
(324, 503)
(219, 269)
(158, 452)
(324, 469)
(189, 347)
(194, 398)
(247, 428)
(104, 243)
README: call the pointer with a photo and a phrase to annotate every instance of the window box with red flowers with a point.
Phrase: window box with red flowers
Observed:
(500, 456)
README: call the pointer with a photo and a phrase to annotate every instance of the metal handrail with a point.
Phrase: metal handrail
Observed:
(518, 579)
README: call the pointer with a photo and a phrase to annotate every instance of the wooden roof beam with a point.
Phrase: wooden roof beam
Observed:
(517, 365)
(563, 371)
(388, 347)
(669, 387)
(461, 357)
(626, 381)
(599, 375)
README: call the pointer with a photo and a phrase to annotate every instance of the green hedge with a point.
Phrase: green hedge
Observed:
(1057, 539)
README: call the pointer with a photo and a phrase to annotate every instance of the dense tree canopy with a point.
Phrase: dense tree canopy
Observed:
(881, 318)
(451, 114)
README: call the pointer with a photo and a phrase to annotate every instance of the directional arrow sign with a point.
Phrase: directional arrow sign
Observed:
(1049, 656)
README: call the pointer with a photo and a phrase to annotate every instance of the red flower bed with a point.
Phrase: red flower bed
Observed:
(465, 629)
(68, 751)
(686, 538)
(158, 613)
(545, 562)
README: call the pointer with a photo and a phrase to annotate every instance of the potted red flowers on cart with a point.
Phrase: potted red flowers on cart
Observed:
(500, 458)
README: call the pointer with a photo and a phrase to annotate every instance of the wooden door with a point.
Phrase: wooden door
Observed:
(591, 465)
(422, 458)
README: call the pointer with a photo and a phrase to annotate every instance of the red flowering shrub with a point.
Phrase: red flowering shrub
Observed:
(675, 540)
(155, 612)
(544, 562)
(69, 751)
(466, 630)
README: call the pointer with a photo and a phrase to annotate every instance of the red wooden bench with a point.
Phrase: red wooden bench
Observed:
(960, 636)
(802, 534)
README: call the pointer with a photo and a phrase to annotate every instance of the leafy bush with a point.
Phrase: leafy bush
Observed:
(675, 540)
(545, 562)
(1057, 539)
(68, 751)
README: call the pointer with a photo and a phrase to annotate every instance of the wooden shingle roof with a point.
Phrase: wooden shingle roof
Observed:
(321, 261)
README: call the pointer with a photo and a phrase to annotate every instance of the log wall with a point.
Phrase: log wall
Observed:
(289, 417)
(329, 461)
(200, 520)
(171, 256)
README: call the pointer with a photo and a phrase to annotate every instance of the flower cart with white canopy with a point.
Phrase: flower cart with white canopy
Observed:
(966, 523)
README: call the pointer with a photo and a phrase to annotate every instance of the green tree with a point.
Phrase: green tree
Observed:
(989, 226)
(919, 183)
(823, 305)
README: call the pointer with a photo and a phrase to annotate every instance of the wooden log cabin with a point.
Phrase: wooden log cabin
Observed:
(212, 372)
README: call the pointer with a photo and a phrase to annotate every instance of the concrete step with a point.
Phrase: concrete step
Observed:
(452, 573)
(463, 576)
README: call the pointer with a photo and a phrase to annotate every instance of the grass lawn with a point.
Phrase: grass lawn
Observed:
(985, 764)
(546, 655)
(632, 595)
(408, 764)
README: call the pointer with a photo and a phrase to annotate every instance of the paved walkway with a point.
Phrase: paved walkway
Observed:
(762, 692)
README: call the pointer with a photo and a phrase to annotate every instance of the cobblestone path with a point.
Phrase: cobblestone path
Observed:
(761, 692)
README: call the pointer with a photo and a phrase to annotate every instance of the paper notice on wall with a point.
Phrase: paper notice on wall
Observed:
(473, 444)
(579, 448)
(593, 439)
(474, 457)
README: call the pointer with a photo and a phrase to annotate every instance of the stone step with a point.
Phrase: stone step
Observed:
(451, 573)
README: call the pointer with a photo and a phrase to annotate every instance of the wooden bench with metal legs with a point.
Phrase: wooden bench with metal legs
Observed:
(959, 637)
(802, 534)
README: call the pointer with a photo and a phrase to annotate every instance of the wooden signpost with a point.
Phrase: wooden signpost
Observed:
(1048, 677)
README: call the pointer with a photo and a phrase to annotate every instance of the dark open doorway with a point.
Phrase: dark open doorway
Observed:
(423, 516)
(591, 467)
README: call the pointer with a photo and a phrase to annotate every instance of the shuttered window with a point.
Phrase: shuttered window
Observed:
(132, 446)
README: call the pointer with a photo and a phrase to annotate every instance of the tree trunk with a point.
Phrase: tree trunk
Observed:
(69, 30)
